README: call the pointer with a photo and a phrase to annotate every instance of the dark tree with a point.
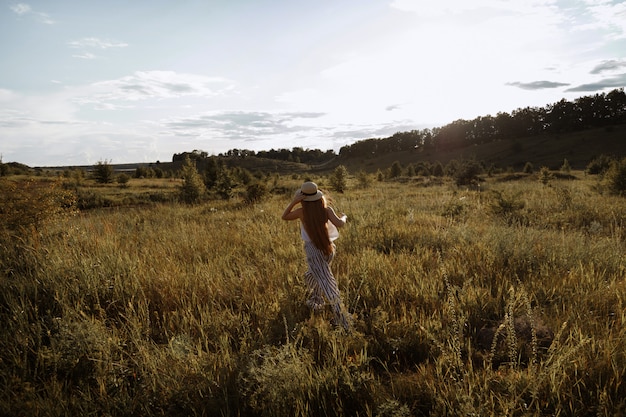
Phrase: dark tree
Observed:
(103, 172)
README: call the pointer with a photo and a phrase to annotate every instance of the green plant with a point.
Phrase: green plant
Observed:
(103, 172)
(192, 188)
(255, 192)
(544, 176)
(225, 184)
(467, 173)
(453, 208)
(505, 205)
(396, 170)
(438, 170)
(123, 180)
(365, 180)
(339, 179)
(616, 177)
(599, 165)
(29, 203)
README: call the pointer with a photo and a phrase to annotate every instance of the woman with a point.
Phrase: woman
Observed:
(318, 228)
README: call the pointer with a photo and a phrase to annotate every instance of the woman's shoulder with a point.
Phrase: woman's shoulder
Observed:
(336, 220)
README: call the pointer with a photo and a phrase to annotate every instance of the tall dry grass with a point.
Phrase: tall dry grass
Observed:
(508, 300)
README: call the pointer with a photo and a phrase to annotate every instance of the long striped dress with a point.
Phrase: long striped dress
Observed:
(321, 282)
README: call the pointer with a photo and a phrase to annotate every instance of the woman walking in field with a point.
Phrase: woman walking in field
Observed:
(318, 228)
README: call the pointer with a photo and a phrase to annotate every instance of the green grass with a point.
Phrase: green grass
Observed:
(504, 301)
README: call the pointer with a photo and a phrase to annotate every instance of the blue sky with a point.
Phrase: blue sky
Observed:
(87, 81)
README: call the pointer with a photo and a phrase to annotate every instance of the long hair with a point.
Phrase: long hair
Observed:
(314, 218)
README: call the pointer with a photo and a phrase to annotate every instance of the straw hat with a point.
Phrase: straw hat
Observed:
(309, 189)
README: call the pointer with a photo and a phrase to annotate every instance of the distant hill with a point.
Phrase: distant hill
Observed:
(549, 150)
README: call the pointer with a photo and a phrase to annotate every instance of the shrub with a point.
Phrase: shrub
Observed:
(424, 168)
(255, 192)
(31, 203)
(103, 172)
(452, 167)
(193, 187)
(145, 172)
(453, 208)
(545, 175)
(616, 177)
(364, 179)
(438, 170)
(224, 184)
(339, 179)
(123, 179)
(90, 199)
(396, 170)
(599, 165)
(468, 173)
(505, 206)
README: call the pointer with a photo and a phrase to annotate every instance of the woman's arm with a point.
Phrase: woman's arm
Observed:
(290, 213)
(334, 219)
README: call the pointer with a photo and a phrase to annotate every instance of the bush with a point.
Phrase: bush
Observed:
(103, 172)
(599, 165)
(545, 175)
(193, 187)
(616, 177)
(396, 170)
(123, 179)
(365, 180)
(451, 168)
(255, 193)
(339, 179)
(468, 173)
(438, 170)
(505, 206)
(91, 199)
(145, 172)
(31, 203)
(224, 184)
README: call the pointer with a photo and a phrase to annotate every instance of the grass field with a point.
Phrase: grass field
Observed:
(503, 300)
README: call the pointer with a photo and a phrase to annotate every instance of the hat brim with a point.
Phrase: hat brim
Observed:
(313, 197)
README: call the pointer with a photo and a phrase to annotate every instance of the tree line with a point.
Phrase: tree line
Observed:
(599, 110)
(296, 154)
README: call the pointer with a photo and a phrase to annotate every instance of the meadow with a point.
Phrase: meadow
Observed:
(502, 299)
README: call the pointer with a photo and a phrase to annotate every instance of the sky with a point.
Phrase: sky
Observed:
(137, 81)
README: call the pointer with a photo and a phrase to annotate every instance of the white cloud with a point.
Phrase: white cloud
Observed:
(427, 8)
(144, 85)
(241, 125)
(607, 16)
(23, 9)
(96, 43)
(86, 55)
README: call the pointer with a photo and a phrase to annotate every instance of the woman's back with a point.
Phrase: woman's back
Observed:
(314, 218)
